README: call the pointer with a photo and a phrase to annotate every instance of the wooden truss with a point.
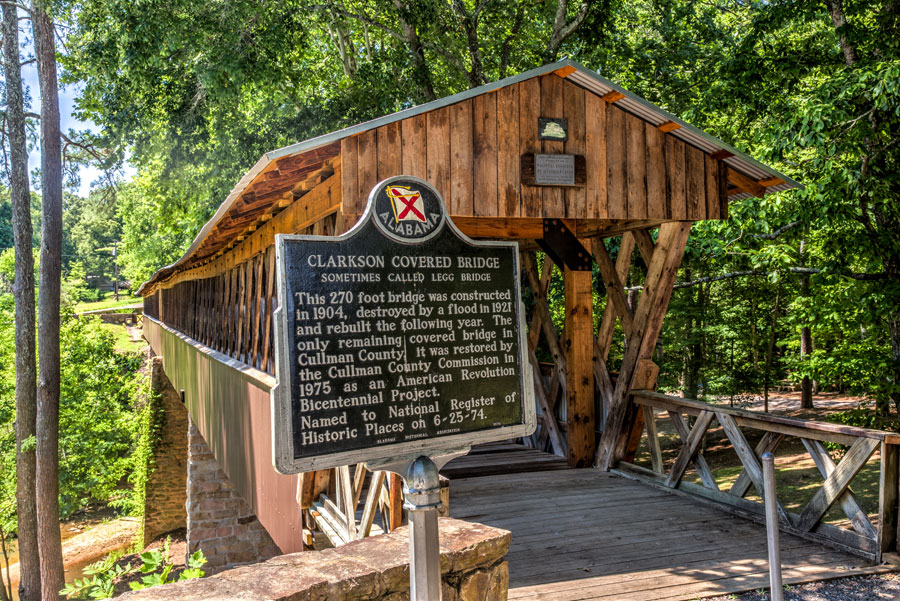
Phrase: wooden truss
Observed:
(863, 537)
(579, 371)
(335, 503)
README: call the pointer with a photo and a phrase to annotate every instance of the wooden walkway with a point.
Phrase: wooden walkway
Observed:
(585, 534)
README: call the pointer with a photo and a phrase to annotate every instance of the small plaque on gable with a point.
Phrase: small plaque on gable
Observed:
(553, 170)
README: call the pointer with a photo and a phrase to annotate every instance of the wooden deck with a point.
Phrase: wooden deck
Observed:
(585, 534)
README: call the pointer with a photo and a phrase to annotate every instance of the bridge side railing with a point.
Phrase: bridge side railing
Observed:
(864, 537)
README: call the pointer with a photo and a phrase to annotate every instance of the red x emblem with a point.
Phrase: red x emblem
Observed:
(408, 201)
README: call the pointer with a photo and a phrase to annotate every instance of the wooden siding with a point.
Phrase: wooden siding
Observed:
(470, 151)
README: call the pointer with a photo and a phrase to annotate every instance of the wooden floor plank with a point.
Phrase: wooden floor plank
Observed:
(582, 534)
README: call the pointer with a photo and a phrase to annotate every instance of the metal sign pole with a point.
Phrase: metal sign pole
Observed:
(422, 497)
(771, 503)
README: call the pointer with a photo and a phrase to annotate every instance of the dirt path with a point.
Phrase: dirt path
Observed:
(89, 546)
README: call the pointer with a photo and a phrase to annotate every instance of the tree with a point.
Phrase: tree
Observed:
(47, 426)
(23, 291)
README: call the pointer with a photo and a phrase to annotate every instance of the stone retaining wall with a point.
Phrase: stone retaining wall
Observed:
(166, 489)
(219, 521)
(374, 569)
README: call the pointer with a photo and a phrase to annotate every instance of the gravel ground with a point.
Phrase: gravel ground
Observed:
(863, 588)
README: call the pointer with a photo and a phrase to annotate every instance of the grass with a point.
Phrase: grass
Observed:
(108, 303)
(123, 342)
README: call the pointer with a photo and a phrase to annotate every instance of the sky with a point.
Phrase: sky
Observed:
(67, 97)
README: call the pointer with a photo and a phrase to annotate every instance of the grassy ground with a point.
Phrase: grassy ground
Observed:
(124, 342)
(108, 303)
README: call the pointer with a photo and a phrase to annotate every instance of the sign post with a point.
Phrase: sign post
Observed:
(399, 344)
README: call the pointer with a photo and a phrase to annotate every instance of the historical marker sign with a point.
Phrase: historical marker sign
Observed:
(400, 338)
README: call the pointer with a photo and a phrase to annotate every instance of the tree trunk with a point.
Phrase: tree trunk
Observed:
(770, 351)
(23, 291)
(806, 349)
(47, 453)
(806, 393)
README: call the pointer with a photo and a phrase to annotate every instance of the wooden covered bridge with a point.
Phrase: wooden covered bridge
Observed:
(643, 520)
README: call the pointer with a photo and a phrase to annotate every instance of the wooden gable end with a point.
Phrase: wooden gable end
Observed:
(471, 151)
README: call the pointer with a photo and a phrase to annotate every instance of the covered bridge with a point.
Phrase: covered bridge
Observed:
(641, 175)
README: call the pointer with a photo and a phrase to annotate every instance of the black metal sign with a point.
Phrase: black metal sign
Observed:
(400, 338)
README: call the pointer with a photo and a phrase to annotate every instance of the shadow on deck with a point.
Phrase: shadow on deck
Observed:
(584, 534)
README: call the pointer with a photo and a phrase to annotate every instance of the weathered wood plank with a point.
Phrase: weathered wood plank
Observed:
(636, 176)
(461, 159)
(644, 242)
(615, 291)
(574, 112)
(350, 202)
(414, 140)
(595, 157)
(616, 164)
(485, 157)
(438, 159)
(712, 187)
(656, 172)
(529, 113)
(675, 172)
(550, 423)
(540, 305)
(509, 201)
(270, 296)
(371, 505)
(366, 166)
(390, 150)
(767, 421)
(695, 183)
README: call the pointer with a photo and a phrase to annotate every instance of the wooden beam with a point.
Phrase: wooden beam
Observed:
(700, 464)
(721, 154)
(647, 324)
(656, 461)
(668, 126)
(615, 292)
(580, 414)
(848, 501)
(645, 245)
(771, 181)
(836, 483)
(767, 444)
(748, 458)
(746, 184)
(565, 71)
(613, 96)
(689, 447)
(889, 500)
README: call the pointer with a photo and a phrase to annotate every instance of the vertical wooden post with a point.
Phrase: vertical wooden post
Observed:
(579, 349)
(395, 516)
(889, 501)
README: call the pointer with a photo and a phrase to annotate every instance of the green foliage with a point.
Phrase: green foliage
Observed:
(97, 426)
(156, 566)
(150, 424)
